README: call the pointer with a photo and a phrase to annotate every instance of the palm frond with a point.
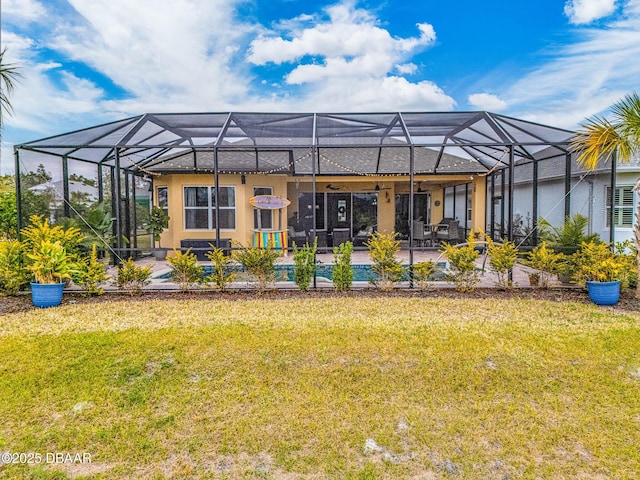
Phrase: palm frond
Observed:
(598, 140)
(9, 75)
(627, 114)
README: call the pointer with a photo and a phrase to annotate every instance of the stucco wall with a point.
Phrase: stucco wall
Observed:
(244, 212)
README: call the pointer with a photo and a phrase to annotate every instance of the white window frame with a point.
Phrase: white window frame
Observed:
(210, 208)
(165, 205)
(620, 206)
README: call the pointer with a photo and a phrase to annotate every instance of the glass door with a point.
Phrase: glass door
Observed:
(338, 211)
(421, 211)
(365, 212)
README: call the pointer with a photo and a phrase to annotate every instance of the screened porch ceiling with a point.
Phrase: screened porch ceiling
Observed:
(307, 143)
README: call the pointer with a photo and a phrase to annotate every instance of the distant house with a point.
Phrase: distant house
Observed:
(583, 192)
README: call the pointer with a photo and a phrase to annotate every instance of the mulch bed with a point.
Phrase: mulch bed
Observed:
(628, 302)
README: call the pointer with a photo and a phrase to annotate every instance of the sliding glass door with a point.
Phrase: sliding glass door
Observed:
(355, 211)
(421, 211)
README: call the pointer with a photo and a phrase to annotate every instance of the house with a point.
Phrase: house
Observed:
(564, 188)
(342, 174)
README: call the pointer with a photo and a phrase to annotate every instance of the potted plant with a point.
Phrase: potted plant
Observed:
(568, 237)
(601, 270)
(158, 222)
(51, 265)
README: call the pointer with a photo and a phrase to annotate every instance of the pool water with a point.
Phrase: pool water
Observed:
(361, 273)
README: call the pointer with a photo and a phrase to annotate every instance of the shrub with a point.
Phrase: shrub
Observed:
(598, 263)
(259, 262)
(97, 226)
(91, 273)
(383, 248)
(8, 215)
(39, 231)
(569, 236)
(222, 274)
(462, 260)
(132, 277)
(422, 271)
(186, 272)
(342, 270)
(50, 263)
(304, 264)
(502, 260)
(13, 273)
(546, 261)
(627, 254)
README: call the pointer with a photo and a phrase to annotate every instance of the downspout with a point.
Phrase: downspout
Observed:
(590, 206)
(612, 227)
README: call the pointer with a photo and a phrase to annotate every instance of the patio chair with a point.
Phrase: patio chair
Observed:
(298, 236)
(449, 230)
(363, 235)
(418, 233)
(340, 236)
(321, 235)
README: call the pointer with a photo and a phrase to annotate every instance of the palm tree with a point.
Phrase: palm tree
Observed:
(8, 76)
(600, 140)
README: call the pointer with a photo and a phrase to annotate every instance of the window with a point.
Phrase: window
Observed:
(163, 199)
(266, 216)
(200, 208)
(623, 207)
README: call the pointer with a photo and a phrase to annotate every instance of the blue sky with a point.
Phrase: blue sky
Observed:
(90, 62)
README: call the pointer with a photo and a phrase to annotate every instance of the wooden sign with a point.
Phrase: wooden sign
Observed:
(269, 202)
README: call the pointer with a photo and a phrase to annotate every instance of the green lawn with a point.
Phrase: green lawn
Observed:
(323, 388)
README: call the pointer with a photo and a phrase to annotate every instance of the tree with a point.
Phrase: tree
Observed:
(602, 140)
(8, 76)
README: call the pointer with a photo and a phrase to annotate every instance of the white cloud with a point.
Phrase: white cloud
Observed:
(407, 68)
(349, 43)
(170, 58)
(584, 78)
(23, 10)
(487, 101)
(347, 62)
(391, 93)
(586, 11)
(166, 58)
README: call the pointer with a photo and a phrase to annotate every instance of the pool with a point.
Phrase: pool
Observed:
(361, 273)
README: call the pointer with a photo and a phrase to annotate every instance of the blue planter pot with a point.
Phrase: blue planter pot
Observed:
(604, 293)
(45, 295)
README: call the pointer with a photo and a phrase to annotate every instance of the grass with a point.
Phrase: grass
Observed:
(296, 389)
